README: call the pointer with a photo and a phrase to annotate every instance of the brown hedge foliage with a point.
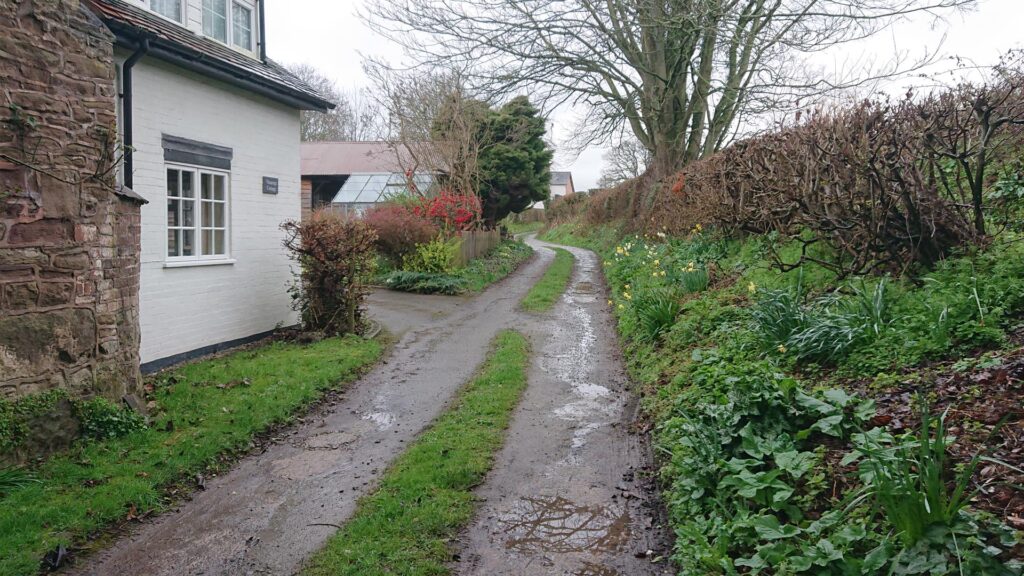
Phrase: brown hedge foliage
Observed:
(885, 185)
(336, 257)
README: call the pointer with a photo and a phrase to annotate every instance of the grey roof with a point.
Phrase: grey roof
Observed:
(561, 178)
(179, 45)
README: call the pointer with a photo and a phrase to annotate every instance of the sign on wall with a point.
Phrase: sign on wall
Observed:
(269, 185)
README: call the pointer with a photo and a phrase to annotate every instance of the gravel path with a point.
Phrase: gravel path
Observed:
(565, 497)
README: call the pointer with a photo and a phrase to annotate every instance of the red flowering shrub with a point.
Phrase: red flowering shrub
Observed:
(451, 212)
(399, 230)
(336, 257)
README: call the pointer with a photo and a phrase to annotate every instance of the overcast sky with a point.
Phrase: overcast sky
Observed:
(329, 35)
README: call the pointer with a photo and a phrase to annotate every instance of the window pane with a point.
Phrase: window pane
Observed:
(207, 214)
(207, 242)
(172, 183)
(207, 185)
(215, 19)
(172, 243)
(219, 237)
(188, 213)
(168, 8)
(218, 187)
(188, 243)
(241, 26)
(173, 212)
(218, 215)
(187, 187)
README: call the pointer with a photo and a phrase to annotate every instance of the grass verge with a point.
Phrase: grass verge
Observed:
(544, 294)
(475, 277)
(426, 496)
(523, 227)
(207, 412)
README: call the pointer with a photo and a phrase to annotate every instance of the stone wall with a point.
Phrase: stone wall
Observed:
(69, 239)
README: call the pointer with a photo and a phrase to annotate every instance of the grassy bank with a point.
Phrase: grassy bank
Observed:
(474, 277)
(545, 293)
(788, 407)
(426, 496)
(205, 413)
(523, 227)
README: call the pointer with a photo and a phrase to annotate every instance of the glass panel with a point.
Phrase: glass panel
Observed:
(187, 187)
(219, 187)
(206, 185)
(219, 237)
(351, 188)
(172, 242)
(207, 214)
(188, 244)
(215, 19)
(173, 213)
(188, 213)
(241, 26)
(168, 8)
(172, 183)
(218, 215)
(207, 242)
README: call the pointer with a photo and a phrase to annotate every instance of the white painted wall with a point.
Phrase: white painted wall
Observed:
(183, 309)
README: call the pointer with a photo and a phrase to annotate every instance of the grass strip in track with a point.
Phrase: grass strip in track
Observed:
(545, 293)
(206, 412)
(426, 496)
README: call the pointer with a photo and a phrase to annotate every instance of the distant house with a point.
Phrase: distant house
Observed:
(561, 184)
(211, 126)
(350, 177)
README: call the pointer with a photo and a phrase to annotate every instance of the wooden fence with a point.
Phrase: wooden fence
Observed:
(476, 244)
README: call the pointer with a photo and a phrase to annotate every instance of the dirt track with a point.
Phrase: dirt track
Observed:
(562, 499)
(568, 494)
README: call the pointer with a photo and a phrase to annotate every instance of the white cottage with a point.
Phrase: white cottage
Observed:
(211, 132)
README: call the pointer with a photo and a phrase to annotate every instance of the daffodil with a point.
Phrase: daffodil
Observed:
(782, 349)
(662, 273)
(610, 302)
(657, 262)
(627, 296)
(751, 287)
(621, 307)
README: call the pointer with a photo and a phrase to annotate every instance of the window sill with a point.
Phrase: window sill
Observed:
(199, 263)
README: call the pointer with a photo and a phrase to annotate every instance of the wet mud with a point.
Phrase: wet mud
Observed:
(567, 495)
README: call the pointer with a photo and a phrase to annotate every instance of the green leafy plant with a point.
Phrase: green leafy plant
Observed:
(656, 312)
(425, 282)
(14, 477)
(434, 257)
(907, 479)
(102, 419)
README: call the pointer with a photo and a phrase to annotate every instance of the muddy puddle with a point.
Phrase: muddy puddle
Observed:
(592, 569)
(556, 524)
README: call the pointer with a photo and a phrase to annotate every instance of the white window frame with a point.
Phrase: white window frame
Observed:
(181, 15)
(229, 39)
(197, 228)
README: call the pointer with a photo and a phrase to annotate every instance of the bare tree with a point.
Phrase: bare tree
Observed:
(355, 117)
(413, 102)
(681, 75)
(626, 161)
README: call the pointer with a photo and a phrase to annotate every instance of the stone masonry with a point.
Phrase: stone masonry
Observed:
(69, 239)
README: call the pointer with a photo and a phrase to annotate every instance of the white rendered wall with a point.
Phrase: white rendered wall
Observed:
(184, 309)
